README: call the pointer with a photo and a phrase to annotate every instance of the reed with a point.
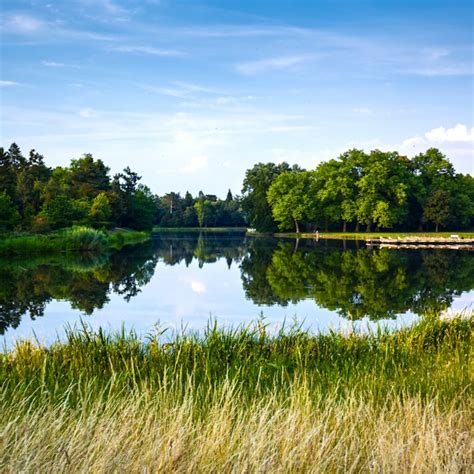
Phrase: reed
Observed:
(241, 400)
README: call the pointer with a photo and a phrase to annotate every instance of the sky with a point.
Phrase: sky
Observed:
(190, 94)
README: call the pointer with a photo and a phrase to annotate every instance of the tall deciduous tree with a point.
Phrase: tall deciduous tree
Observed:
(290, 198)
(255, 187)
(382, 192)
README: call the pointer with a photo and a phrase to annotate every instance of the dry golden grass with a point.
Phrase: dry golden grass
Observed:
(242, 401)
(152, 433)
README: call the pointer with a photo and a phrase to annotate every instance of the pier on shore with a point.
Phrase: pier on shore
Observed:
(453, 242)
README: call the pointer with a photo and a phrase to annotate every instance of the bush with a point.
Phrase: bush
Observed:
(85, 239)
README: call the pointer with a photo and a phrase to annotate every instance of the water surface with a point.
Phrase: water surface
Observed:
(183, 280)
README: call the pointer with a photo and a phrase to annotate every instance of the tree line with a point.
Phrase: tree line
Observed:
(38, 198)
(35, 197)
(204, 210)
(356, 191)
(359, 190)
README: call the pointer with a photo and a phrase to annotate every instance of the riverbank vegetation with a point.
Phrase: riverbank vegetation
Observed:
(241, 399)
(376, 190)
(37, 198)
(74, 239)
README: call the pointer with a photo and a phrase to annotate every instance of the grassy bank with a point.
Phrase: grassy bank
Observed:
(241, 400)
(75, 239)
(372, 235)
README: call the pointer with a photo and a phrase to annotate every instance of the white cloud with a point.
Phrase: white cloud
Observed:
(87, 113)
(150, 50)
(262, 65)
(24, 24)
(456, 142)
(412, 142)
(180, 90)
(8, 83)
(52, 64)
(198, 286)
(459, 133)
(196, 163)
(57, 64)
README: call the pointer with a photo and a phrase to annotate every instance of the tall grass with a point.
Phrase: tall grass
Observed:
(241, 400)
(75, 239)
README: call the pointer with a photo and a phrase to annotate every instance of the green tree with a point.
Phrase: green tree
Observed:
(255, 187)
(437, 209)
(9, 215)
(431, 171)
(100, 211)
(382, 187)
(60, 211)
(290, 198)
(462, 201)
(7, 173)
(88, 177)
(203, 209)
(142, 209)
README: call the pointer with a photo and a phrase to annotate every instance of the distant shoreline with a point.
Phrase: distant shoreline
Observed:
(157, 230)
(363, 235)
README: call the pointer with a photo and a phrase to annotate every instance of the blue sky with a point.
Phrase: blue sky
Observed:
(190, 94)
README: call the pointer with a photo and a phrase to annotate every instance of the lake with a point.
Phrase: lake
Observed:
(183, 280)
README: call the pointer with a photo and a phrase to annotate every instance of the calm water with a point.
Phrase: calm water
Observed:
(185, 279)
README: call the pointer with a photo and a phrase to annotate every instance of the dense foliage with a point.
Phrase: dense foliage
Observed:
(378, 190)
(381, 190)
(205, 210)
(35, 197)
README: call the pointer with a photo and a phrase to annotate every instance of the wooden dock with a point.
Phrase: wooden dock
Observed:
(453, 242)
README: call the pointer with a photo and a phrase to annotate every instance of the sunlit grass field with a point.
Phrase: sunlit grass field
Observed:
(241, 400)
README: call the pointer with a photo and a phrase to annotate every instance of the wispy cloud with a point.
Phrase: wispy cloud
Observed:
(180, 89)
(57, 64)
(9, 83)
(147, 50)
(23, 23)
(197, 88)
(87, 113)
(109, 6)
(275, 63)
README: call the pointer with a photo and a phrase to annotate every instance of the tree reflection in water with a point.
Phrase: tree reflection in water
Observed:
(345, 277)
(356, 283)
(85, 281)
